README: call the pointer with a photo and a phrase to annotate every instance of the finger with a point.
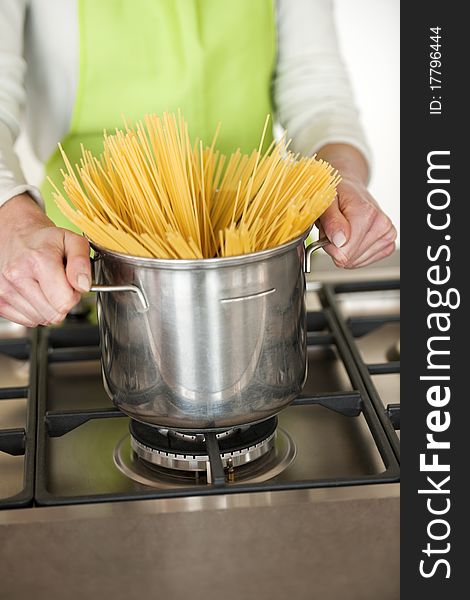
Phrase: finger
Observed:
(46, 273)
(359, 223)
(10, 313)
(377, 247)
(30, 290)
(379, 256)
(77, 254)
(52, 286)
(335, 225)
(367, 226)
(381, 229)
(40, 278)
(38, 275)
(21, 304)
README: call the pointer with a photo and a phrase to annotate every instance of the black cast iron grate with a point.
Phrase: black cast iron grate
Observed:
(326, 327)
(21, 441)
(357, 326)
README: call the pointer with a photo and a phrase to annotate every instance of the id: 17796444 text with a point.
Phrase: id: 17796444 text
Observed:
(435, 70)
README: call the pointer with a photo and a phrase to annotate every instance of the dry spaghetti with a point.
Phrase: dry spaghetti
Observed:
(153, 193)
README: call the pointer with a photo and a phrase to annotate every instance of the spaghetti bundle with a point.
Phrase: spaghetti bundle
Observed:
(153, 193)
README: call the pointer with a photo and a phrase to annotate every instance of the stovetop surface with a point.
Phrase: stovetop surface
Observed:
(328, 444)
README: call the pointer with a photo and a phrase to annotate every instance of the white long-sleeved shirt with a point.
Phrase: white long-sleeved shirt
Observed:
(39, 68)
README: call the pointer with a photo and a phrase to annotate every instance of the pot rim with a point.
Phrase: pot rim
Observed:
(199, 263)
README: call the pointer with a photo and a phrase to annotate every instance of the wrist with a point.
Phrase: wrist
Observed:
(351, 178)
(21, 213)
(348, 161)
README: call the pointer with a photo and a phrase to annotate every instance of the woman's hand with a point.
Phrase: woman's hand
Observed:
(43, 268)
(360, 232)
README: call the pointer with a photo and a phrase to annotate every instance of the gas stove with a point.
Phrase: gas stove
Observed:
(65, 446)
(82, 449)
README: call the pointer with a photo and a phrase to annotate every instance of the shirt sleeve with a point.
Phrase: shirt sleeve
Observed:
(313, 97)
(12, 99)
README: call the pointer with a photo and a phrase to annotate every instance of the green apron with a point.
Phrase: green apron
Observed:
(213, 59)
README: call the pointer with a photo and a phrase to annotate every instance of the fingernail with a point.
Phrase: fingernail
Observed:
(338, 239)
(83, 282)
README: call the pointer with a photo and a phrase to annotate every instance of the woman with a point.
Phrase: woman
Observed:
(234, 61)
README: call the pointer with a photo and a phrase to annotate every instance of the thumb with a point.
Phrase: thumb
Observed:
(335, 225)
(77, 255)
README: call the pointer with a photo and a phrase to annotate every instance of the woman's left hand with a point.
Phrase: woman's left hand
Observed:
(359, 231)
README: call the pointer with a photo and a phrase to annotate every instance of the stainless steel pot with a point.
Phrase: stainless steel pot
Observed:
(203, 344)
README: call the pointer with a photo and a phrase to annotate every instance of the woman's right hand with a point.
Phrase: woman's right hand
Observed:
(43, 268)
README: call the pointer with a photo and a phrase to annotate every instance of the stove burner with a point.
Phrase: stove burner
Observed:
(199, 437)
(266, 467)
(187, 452)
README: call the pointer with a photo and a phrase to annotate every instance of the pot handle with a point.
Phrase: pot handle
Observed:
(310, 249)
(122, 288)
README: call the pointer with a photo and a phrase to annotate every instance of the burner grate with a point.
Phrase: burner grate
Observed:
(389, 416)
(21, 441)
